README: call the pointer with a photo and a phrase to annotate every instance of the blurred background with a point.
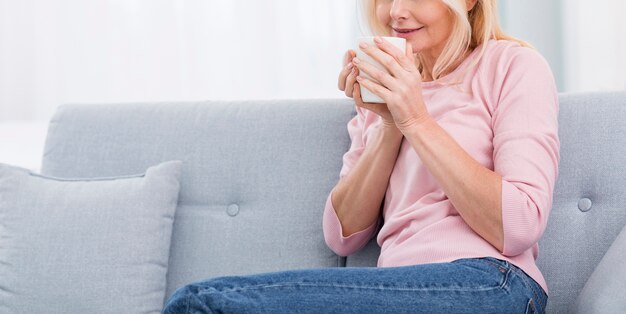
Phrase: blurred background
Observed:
(74, 51)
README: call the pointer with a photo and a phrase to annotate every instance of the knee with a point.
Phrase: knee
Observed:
(178, 302)
(188, 299)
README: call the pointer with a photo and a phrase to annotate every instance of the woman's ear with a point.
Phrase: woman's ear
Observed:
(470, 4)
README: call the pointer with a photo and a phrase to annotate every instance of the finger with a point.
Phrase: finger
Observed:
(347, 67)
(411, 56)
(341, 83)
(404, 58)
(347, 57)
(359, 100)
(377, 75)
(384, 58)
(350, 82)
(357, 94)
(409, 52)
(375, 88)
(396, 60)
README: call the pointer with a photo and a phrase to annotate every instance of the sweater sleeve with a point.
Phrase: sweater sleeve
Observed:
(333, 233)
(526, 148)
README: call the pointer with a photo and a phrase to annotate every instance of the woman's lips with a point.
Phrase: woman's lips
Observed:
(405, 33)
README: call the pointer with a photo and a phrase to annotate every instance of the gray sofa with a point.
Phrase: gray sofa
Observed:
(256, 175)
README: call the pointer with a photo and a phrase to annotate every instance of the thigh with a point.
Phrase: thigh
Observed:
(464, 286)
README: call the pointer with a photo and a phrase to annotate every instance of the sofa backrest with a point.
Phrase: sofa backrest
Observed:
(589, 207)
(255, 174)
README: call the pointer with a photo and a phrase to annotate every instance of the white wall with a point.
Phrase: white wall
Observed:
(60, 51)
(595, 44)
(77, 51)
(537, 22)
(584, 41)
(22, 143)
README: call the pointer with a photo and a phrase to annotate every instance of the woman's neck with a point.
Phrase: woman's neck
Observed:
(428, 64)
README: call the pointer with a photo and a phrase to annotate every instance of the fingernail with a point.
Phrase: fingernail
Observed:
(363, 45)
(356, 60)
(378, 40)
(350, 65)
(358, 78)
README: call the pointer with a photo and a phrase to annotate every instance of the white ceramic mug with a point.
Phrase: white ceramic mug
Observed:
(366, 95)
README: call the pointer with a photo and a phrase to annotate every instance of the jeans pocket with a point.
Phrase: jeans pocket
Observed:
(495, 273)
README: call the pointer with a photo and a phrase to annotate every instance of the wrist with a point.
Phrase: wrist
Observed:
(389, 128)
(416, 125)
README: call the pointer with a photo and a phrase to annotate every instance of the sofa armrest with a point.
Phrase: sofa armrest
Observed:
(604, 290)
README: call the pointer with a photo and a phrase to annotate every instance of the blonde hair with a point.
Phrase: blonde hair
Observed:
(471, 30)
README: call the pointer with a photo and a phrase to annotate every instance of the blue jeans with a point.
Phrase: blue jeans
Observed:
(476, 285)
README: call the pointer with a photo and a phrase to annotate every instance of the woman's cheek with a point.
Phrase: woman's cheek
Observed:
(382, 12)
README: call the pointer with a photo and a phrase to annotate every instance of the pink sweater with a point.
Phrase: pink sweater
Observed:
(504, 114)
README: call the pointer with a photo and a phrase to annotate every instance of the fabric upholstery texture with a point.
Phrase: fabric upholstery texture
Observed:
(589, 208)
(97, 245)
(257, 174)
(604, 290)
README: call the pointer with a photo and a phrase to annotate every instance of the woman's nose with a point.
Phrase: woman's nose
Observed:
(399, 10)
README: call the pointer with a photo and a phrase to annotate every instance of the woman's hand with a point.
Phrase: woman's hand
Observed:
(380, 109)
(347, 83)
(348, 74)
(401, 88)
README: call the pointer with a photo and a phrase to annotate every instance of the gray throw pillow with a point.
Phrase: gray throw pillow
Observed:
(604, 290)
(86, 245)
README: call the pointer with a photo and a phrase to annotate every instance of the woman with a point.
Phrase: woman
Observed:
(457, 166)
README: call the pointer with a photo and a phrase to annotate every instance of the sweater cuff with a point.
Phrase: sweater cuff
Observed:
(333, 233)
(516, 221)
